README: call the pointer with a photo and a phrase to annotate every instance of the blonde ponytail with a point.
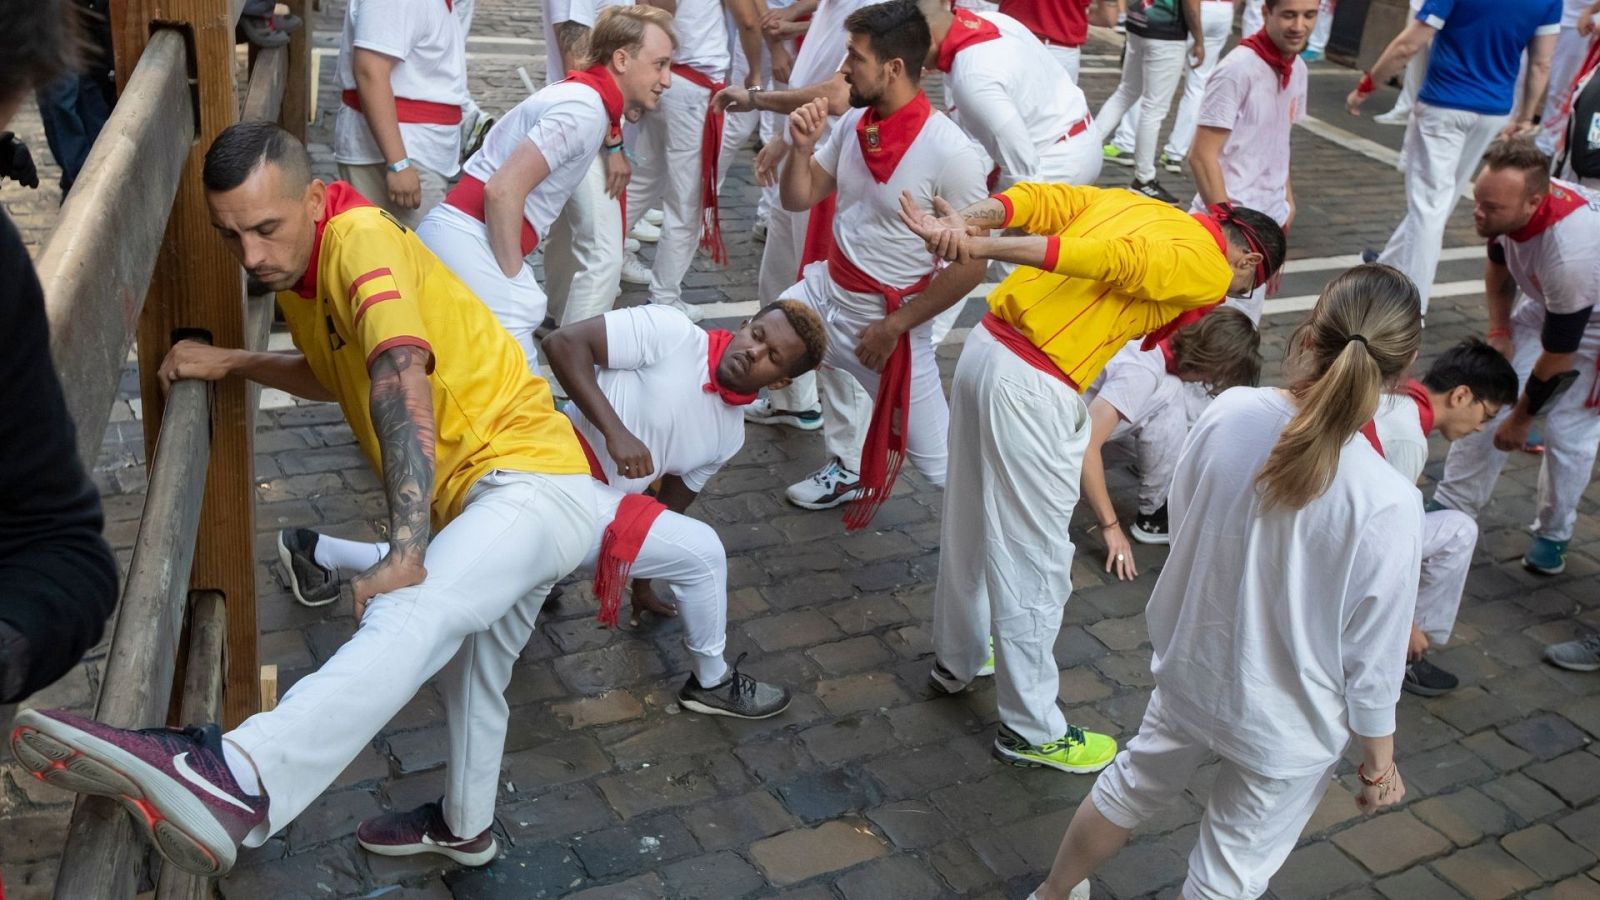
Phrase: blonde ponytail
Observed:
(1363, 334)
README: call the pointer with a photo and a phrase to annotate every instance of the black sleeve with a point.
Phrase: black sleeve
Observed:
(1497, 253)
(58, 581)
(1564, 331)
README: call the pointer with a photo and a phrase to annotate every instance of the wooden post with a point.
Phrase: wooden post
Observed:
(198, 286)
(298, 89)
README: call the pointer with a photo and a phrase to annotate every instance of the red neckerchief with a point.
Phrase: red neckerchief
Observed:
(720, 338)
(1558, 203)
(1276, 59)
(1370, 432)
(1168, 358)
(885, 141)
(600, 79)
(1418, 392)
(1154, 339)
(341, 197)
(966, 29)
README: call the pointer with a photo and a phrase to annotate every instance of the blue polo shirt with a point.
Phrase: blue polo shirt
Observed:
(1478, 50)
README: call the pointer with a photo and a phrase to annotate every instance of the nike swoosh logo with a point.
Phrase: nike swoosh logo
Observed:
(181, 764)
(429, 841)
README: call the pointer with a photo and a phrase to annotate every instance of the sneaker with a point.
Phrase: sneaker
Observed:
(1173, 164)
(1310, 55)
(1369, 256)
(472, 139)
(1392, 118)
(312, 584)
(645, 231)
(631, 245)
(1151, 528)
(944, 681)
(739, 696)
(1425, 679)
(654, 217)
(1114, 155)
(634, 271)
(987, 669)
(263, 31)
(763, 412)
(1582, 655)
(1122, 24)
(759, 231)
(1545, 556)
(1153, 190)
(1079, 752)
(827, 487)
(1433, 505)
(422, 830)
(174, 783)
(694, 312)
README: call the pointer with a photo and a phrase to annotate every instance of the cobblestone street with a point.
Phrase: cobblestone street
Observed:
(872, 786)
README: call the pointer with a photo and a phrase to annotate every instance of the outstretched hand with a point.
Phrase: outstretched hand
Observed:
(945, 232)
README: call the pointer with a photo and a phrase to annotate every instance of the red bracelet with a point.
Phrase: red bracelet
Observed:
(1366, 86)
(1499, 333)
(1385, 778)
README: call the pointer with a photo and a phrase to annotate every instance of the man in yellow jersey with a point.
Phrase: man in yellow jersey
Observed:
(1100, 268)
(442, 403)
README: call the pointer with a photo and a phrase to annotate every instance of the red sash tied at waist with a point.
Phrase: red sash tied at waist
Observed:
(710, 153)
(1013, 340)
(620, 545)
(885, 449)
(467, 196)
(412, 112)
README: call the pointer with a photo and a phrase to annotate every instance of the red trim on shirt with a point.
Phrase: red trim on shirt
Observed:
(404, 340)
(1005, 203)
(1052, 252)
(340, 197)
(375, 273)
(375, 299)
(1418, 392)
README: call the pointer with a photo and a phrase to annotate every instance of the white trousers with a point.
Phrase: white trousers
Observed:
(1070, 58)
(845, 315)
(1155, 445)
(372, 182)
(462, 244)
(1150, 73)
(1076, 160)
(1448, 538)
(737, 127)
(488, 572)
(1442, 149)
(780, 255)
(1571, 48)
(1216, 24)
(1410, 84)
(583, 253)
(666, 175)
(1571, 437)
(1324, 27)
(1251, 822)
(1251, 20)
(1017, 438)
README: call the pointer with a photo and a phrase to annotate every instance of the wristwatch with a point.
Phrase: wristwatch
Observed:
(400, 166)
(753, 91)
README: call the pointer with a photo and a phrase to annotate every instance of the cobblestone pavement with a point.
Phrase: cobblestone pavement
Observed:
(870, 787)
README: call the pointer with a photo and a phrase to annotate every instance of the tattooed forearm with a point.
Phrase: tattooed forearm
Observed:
(572, 41)
(986, 213)
(402, 416)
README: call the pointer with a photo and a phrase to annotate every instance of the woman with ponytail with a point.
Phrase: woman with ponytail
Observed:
(1280, 621)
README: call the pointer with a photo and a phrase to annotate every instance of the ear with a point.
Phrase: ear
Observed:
(1459, 396)
(316, 198)
(1249, 262)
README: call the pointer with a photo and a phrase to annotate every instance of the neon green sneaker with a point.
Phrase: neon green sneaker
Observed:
(1079, 752)
(1114, 155)
(988, 664)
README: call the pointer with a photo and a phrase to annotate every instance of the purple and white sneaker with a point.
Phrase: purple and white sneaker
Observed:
(174, 783)
(423, 830)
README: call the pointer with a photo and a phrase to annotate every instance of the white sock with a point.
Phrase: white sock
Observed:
(242, 769)
(709, 670)
(348, 557)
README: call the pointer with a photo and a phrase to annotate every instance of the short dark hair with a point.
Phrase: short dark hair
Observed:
(241, 149)
(1479, 367)
(1274, 245)
(39, 41)
(808, 325)
(1524, 155)
(898, 31)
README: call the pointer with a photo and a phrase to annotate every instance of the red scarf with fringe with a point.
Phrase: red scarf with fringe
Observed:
(620, 545)
(710, 153)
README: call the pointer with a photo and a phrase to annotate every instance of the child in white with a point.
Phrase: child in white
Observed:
(1279, 621)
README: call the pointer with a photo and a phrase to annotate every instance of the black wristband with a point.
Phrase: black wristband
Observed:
(1541, 392)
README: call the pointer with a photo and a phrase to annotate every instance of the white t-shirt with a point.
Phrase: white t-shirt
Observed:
(1560, 266)
(941, 162)
(1242, 95)
(567, 122)
(655, 373)
(583, 12)
(702, 38)
(425, 37)
(1012, 96)
(1276, 633)
(1399, 427)
(1136, 384)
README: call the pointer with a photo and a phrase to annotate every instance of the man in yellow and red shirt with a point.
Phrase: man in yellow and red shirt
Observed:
(1099, 268)
(490, 502)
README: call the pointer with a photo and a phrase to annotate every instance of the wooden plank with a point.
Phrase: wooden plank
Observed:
(269, 687)
(202, 702)
(101, 847)
(96, 267)
(264, 96)
(299, 89)
(198, 287)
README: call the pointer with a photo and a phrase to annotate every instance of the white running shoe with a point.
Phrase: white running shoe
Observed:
(694, 313)
(644, 231)
(830, 486)
(1392, 118)
(631, 245)
(764, 412)
(634, 271)
(653, 216)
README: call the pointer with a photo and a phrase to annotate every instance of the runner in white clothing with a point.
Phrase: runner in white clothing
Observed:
(1007, 91)
(1288, 524)
(402, 74)
(533, 158)
(1216, 26)
(877, 271)
(1542, 244)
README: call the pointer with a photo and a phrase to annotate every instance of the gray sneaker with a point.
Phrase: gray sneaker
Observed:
(1581, 655)
(739, 696)
(313, 585)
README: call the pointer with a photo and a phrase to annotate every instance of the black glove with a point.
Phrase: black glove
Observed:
(16, 162)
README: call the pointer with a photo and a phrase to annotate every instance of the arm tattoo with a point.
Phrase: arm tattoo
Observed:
(986, 213)
(402, 416)
(571, 39)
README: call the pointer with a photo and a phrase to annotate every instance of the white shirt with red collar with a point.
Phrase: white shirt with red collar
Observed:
(424, 37)
(1245, 96)
(1555, 258)
(657, 363)
(702, 38)
(1399, 429)
(1008, 92)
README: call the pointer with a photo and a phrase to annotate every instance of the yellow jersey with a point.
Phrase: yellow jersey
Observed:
(372, 285)
(1125, 266)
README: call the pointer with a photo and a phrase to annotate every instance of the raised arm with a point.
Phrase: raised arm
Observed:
(401, 402)
(805, 182)
(746, 16)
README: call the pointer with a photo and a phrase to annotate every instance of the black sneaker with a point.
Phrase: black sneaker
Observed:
(739, 696)
(312, 584)
(422, 830)
(1153, 190)
(1425, 679)
(1151, 528)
